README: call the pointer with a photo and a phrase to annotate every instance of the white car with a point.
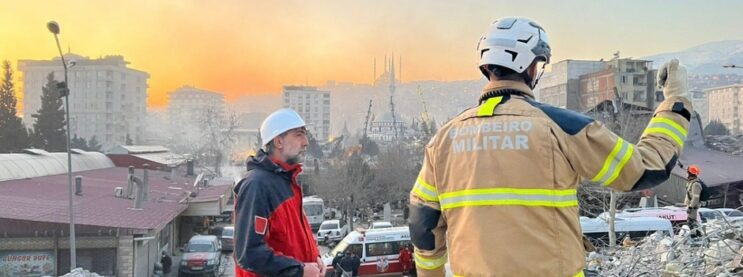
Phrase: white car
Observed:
(731, 214)
(380, 225)
(331, 230)
(634, 227)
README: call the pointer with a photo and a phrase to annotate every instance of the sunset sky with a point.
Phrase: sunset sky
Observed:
(254, 47)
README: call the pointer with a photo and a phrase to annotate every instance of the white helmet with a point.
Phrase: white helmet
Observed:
(514, 43)
(279, 122)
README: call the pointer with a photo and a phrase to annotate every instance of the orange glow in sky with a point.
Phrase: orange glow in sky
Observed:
(254, 47)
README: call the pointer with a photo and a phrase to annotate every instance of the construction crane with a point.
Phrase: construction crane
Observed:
(368, 115)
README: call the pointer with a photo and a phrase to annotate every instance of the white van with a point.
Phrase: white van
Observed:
(378, 249)
(314, 208)
(635, 227)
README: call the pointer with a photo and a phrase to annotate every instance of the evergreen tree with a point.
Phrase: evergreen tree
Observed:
(128, 140)
(49, 128)
(78, 143)
(94, 145)
(13, 135)
(715, 127)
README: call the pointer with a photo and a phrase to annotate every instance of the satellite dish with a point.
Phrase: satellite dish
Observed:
(198, 179)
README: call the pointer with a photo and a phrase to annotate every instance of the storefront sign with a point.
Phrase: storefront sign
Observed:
(27, 263)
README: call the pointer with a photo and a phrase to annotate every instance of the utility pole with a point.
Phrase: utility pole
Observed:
(64, 91)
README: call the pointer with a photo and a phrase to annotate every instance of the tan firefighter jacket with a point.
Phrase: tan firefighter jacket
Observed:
(496, 194)
(693, 191)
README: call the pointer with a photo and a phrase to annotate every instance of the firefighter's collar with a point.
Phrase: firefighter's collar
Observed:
(508, 84)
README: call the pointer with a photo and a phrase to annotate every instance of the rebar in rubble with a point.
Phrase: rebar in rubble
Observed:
(717, 252)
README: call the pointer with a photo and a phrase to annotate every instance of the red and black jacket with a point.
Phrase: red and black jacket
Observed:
(272, 235)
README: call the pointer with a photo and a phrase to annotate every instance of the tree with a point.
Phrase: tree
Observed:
(396, 169)
(93, 145)
(715, 127)
(314, 148)
(128, 140)
(49, 128)
(368, 146)
(258, 141)
(13, 135)
(78, 143)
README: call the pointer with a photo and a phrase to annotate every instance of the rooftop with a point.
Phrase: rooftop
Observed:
(718, 168)
(36, 162)
(44, 199)
(137, 149)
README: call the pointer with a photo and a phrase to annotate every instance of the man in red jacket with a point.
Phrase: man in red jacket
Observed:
(405, 259)
(272, 235)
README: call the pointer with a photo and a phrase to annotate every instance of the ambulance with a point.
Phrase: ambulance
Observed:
(378, 250)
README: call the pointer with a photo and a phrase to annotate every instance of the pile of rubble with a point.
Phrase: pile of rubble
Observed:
(728, 143)
(717, 253)
(79, 272)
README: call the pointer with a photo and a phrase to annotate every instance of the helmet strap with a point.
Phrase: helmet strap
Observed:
(536, 80)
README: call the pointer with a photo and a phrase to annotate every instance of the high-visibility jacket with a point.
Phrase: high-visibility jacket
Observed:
(496, 194)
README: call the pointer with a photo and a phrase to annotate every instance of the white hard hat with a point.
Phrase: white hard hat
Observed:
(279, 122)
(514, 43)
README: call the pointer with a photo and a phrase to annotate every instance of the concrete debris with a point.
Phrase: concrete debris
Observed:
(728, 143)
(718, 253)
(79, 272)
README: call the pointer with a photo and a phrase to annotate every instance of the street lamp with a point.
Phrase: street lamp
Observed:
(64, 91)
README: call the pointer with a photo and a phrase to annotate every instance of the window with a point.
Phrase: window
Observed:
(383, 248)
(313, 210)
(200, 247)
(343, 246)
(329, 226)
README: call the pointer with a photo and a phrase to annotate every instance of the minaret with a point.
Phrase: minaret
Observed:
(392, 94)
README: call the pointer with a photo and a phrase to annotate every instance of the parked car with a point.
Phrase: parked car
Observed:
(709, 214)
(228, 238)
(731, 214)
(597, 229)
(380, 225)
(331, 230)
(201, 256)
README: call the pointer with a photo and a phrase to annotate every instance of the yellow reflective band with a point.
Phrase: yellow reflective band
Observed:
(430, 264)
(488, 108)
(509, 191)
(609, 160)
(425, 190)
(615, 162)
(509, 197)
(579, 274)
(666, 132)
(673, 124)
(619, 168)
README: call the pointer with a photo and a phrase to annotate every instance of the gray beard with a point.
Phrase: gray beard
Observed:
(294, 160)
